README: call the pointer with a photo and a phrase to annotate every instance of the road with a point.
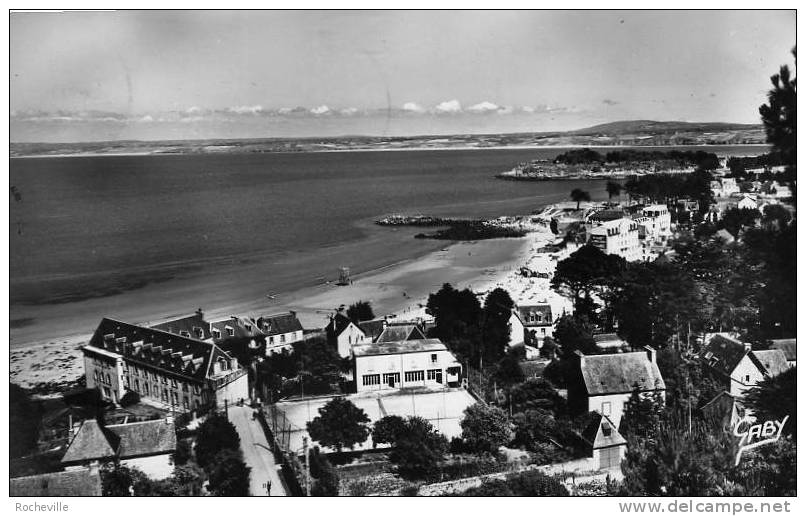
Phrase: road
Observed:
(257, 453)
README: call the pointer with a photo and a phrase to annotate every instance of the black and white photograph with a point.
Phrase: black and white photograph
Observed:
(403, 253)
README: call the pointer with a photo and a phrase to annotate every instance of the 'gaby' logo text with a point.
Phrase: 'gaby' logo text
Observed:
(754, 435)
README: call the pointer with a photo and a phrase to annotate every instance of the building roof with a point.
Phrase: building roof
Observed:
(241, 327)
(92, 442)
(74, 482)
(788, 346)
(279, 324)
(600, 432)
(338, 323)
(543, 309)
(373, 328)
(606, 215)
(145, 438)
(400, 347)
(96, 442)
(620, 373)
(724, 353)
(193, 324)
(725, 235)
(773, 361)
(395, 333)
(156, 348)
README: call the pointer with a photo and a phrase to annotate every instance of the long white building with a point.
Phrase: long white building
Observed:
(619, 237)
(405, 364)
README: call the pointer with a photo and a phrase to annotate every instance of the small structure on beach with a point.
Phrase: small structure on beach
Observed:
(344, 276)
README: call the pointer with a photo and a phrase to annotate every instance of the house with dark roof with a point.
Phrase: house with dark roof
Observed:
(737, 366)
(234, 327)
(197, 327)
(605, 445)
(80, 481)
(538, 323)
(373, 329)
(343, 334)
(146, 445)
(789, 347)
(191, 326)
(281, 331)
(404, 364)
(180, 372)
(604, 383)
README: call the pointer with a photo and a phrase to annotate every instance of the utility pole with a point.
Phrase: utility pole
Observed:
(307, 466)
(226, 409)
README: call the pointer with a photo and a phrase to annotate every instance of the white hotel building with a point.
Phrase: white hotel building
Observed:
(405, 364)
(619, 237)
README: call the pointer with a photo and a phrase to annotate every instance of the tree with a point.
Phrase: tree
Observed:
(578, 195)
(215, 434)
(508, 370)
(388, 430)
(182, 453)
(613, 188)
(419, 449)
(775, 398)
(554, 227)
(326, 478)
(228, 475)
(537, 394)
(360, 311)
(456, 317)
(539, 432)
(642, 415)
(587, 271)
(495, 329)
(188, 480)
(117, 480)
(575, 333)
(779, 115)
(339, 424)
(527, 483)
(130, 398)
(775, 217)
(318, 365)
(485, 428)
(25, 421)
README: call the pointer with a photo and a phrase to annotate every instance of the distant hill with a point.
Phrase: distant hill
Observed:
(654, 127)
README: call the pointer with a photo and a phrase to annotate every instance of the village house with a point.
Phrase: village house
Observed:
(176, 371)
(195, 326)
(398, 332)
(404, 364)
(724, 187)
(372, 329)
(656, 223)
(747, 202)
(145, 445)
(343, 334)
(604, 444)
(80, 481)
(281, 331)
(619, 237)
(538, 323)
(737, 366)
(604, 383)
(191, 326)
(789, 348)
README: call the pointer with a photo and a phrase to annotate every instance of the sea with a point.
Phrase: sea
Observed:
(96, 227)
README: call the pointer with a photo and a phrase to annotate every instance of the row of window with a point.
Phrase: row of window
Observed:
(165, 395)
(393, 379)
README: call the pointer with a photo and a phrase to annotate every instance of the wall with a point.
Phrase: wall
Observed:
(156, 467)
(738, 382)
(400, 363)
(106, 367)
(351, 335)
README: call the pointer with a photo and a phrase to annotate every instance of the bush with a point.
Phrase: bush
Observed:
(228, 475)
(129, 399)
(485, 429)
(215, 434)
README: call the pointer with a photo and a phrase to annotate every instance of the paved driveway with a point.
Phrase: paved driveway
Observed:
(257, 453)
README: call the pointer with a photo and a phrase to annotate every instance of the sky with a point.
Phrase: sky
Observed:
(80, 76)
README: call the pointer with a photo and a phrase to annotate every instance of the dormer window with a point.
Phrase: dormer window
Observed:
(184, 333)
(199, 333)
(216, 334)
(230, 331)
(248, 327)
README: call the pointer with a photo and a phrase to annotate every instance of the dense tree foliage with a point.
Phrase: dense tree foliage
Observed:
(575, 333)
(485, 428)
(360, 311)
(578, 195)
(537, 394)
(528, 483)
(325, 477)
(586, 272)
(642, 415)
(775, 398)
(228, 475)
(313, 367)
(495, 329)
(388, 430)
(779, 115)
(613, 188)
(418, 449)
(340, 424)
(25, 421)
(215, 434)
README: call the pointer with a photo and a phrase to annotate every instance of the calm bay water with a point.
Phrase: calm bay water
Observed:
(112, 223)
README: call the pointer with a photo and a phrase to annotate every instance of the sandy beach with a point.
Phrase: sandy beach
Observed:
(400, 289)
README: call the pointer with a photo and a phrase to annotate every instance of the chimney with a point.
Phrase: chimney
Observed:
(651, 354)
(293, 312)
(747, 346)
(200, 313)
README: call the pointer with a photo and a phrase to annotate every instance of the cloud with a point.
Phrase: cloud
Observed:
(246, 110)
(610, 102)
(483, 107)
(193, 109)
(413, 107)
(348, 111)
(527, 109)
(505, 110)
(145, 119)
(449, 106)
(320, 110)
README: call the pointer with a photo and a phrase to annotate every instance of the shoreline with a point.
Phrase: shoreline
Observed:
(399, 289)
(401, 149)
